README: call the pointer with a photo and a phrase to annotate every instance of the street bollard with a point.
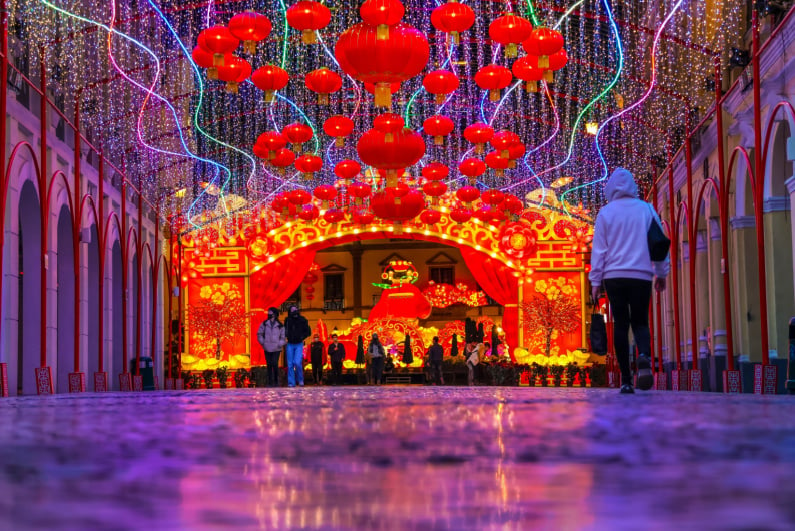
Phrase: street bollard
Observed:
(791, 364)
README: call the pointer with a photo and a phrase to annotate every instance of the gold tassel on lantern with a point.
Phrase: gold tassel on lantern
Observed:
(505, 153)
(456, 37)
(308, 36)
(543, 61)
(391, 178)
(510, 50)
(218, 59)
(383, 95)
(439, 99)
(322, 99)
(231, 87)
(398, 227)
(212, 73)
(250, 47)
(269, 96)
(531, 87)
(438, 140)
(389, 138)
(494, 95)
(382, 32)
(549, 76)
(512, 164)
(340, 142)
(479, 149)
(307, 176)
(499, 173)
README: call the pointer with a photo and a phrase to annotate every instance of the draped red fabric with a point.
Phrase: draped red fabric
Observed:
(271, 286)
(499, 282)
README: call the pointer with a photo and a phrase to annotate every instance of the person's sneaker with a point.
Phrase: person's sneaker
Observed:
(645, 378)
(627, 389)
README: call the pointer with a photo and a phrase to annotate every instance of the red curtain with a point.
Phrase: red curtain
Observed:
(271, 286)
(499, 282)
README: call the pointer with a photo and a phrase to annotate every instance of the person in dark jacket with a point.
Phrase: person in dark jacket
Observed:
(271, 336)
(336, 352)
(377, 355)
(435, 355)
(296, 330)
(316, 349)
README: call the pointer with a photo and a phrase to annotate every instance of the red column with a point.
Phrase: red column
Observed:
(77, 218)
(102, 250)
(674, 228)
(45, 207)
(138, 288)
(691, 244)
(3, 139)
(124, 271)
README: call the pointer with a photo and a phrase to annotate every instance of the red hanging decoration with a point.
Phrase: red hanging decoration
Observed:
(204, 58)
(509, 30)
(492, 197)
(269, 79)
(493, 78)
(220, 42)
(526, 69)
(460, 215)
(440, 83)
(296, 134)
(438, 127)
(453, 18)
(324, 82)
(430, 217)
(234, 71)
(543, 42)
(467, 194)
(497, 163)
(382, 14)
(299, 196)
(388, 123)
(270, 142)
(250, 28)
(359, 191)
(325, 193)
(472, 168)
(406, 149)
(339, 127)
(347, 169)
(282, 159)
(308, 165)
(435, 171)
(308, 17)
(479, 134)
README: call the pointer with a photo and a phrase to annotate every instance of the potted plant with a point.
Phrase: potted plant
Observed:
(208, 375)
(221, 373)
(241, 375)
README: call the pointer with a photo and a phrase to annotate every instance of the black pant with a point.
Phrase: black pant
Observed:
(629, 302)
(436, 371)
(317, 370)
(378, 369)
(272, 359)
(336, 372)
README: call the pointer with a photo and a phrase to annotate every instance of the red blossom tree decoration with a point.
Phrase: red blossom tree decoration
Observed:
(220, 315)
(552, 309)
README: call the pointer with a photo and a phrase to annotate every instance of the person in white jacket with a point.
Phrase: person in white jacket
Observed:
(620, 263)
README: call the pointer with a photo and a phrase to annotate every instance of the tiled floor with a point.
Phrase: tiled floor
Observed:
(398, 458)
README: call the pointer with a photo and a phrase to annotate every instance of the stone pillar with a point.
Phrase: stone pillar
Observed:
(779, 263)
(356, 254)
(746, 288)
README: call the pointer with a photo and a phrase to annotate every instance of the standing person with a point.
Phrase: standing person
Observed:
(435, 356)
(620, 263)
(271, 336)
(316, 349)
(336, 352)
(472, 354)
(376, 350)
(296, 330)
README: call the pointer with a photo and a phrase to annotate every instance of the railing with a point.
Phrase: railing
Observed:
(334, 305)
(286, 305)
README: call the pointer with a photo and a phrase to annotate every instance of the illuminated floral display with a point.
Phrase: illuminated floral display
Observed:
(554, 308)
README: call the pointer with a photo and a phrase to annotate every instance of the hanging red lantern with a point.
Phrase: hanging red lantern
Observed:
(472, 168)
(324, 82)
(393, 60)
(398, 191)
(363, 218)
(271, 142)
(296, 134)
(502, 140)
(308, 165)
(453, 18)
(309, 213)
(440, 83)
(326, 193)
(384, 206)
(333, 216)
(220, 41)
(492, 197)
(299, 196)
(204, 59)
(484, 214)
(394, 88)
(479, 134)
(269, 79)
(526, 69)
(339, 127)
(388, 123)
(382, 14)
(234, 71)
(515, 152)
(543, 42)
(467, 194)
(493, 78)
(406, 149)
(430, 217)
(435, 171)
(557, 61)
(439, 127)
(509, 30)
(308, 17)
(250, 28)
(511, 205)
(460, 215)
(359, 191)
(434, 190)
(347, 169)
(282, 159)
(497, 162)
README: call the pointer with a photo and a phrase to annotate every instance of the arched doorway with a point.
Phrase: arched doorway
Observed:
(92, 302)
(132, 308)
(117, 316)
(29, 300)
(65, 302)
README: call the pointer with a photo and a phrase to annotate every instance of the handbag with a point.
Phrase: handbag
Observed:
(598, 333)
(659, 244)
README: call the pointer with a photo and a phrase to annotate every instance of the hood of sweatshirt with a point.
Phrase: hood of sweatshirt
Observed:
(621, 184)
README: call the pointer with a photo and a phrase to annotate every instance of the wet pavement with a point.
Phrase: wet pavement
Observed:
(398, 458)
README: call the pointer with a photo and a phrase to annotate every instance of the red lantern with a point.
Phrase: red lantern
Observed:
(250, 28)
(384, 206)
(556, 61)
(497, 163)
(467, 194)
(493, 78)
(515, 151)
(269, 79)
(339, 127)
(382, 14)
(299, 196)
(435, 171)
(483, 214)
(406, 149)
(234, 71)
(440, 83)
(430, 217)
(308, 165)
(398, 191)
(220, 41)
(543, 42)
(526, 69)
(359, 191)
(439, 127)
(511, 205)
(394, 88)
(308, 17)
(393, 60)
(325, 193)
(296, 134)
(388, 123)
(460, 215)
(509, 30)
(347, 169)
(204, 59)
(502, 141)
(472, 168)
(334, 216)
(492, 197)
(324, 82)
(363, 218)
(282, 159)
(453, 18)
(434, 190)
(271, 142)
(479, 134)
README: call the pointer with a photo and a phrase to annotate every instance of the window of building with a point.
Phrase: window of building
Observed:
(292, 300)
(443, 275)
(334, 286)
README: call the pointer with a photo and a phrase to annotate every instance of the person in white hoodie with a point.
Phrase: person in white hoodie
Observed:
(620, 263)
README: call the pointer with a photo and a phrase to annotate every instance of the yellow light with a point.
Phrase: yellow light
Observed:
(180, 193)
(592, 128)
(303, 244)
(427, 232)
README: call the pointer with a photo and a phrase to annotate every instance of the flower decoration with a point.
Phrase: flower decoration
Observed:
(518, 241)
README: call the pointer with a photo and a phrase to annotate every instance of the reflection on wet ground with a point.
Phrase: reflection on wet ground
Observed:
(398, 458)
